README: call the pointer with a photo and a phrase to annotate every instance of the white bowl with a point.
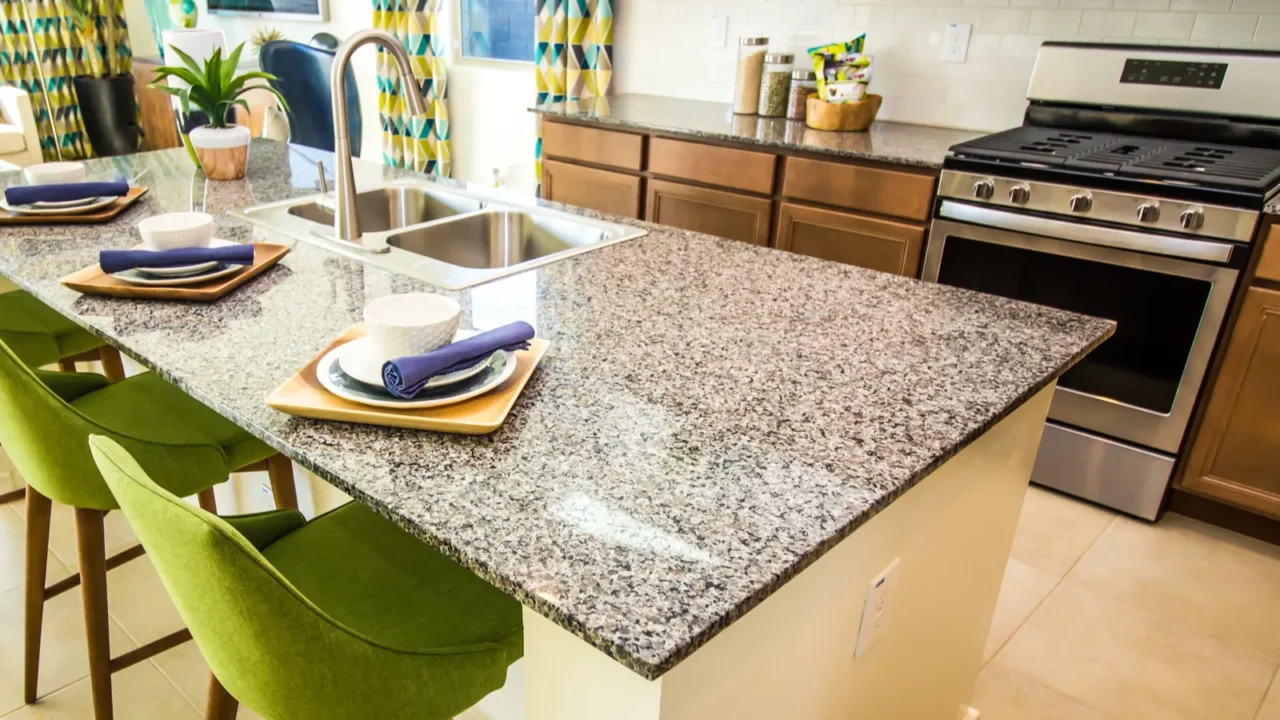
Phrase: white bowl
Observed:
(54, 172)
(176, 230)
(411, 324)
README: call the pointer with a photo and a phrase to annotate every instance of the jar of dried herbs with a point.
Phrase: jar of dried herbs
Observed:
(775, 84)
(803, 84)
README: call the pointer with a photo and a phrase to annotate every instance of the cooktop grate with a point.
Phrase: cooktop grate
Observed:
(1133, 156)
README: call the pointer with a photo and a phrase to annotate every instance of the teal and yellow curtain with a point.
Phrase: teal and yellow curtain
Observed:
(65, 46)
(573, 53)
(416, 142)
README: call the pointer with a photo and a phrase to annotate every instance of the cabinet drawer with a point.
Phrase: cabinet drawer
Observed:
(859, 187)
(1269, 263)
(867, 242)
(608, 192)
(602, 147)
(714, 212)
(713, 165)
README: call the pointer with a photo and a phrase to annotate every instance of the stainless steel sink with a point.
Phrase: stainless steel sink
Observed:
(448, 238)
(391, 208)
(497, 239)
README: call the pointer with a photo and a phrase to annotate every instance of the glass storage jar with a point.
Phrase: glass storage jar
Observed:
(803, 84)
(746, 86)
(775, 83)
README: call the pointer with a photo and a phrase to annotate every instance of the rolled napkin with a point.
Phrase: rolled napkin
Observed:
(63, 192)
(114, 261)
(405, 377)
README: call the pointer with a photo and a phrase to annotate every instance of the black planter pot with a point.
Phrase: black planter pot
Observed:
(110, 113)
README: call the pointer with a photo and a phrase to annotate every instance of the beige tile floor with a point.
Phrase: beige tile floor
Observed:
(1100, 618)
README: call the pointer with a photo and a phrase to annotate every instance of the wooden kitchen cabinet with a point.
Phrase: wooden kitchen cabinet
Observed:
(714, 212)
(1235, 455)
(874, 243)
(603, 190)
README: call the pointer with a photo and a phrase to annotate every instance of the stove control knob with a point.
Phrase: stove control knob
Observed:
(984, 189)
(1149, 212)
(1081, 203)
(1020, 194)
(1192, 219)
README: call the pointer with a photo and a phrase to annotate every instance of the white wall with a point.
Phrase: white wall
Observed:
(345, 17)
(662, 47)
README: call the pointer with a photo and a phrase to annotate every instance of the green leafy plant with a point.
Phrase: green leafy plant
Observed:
(214, 88)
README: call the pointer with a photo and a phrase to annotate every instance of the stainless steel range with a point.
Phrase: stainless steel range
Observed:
(1132, 191)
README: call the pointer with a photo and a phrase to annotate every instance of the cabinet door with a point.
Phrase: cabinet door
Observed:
(884, 245)
(608, 192)
(1235, 455)
(714, 212)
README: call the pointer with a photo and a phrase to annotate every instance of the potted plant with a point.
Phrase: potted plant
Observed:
(105, 92)
(221, 147)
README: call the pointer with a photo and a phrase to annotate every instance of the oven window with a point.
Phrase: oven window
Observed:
(1157, 315)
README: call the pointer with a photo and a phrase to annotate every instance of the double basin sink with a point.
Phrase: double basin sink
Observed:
(448, 238)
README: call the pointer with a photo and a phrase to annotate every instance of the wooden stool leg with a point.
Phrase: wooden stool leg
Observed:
(112, 366)
(39, 510)
(91, 544)
(67, 365)
(280, 470)
(208, 501)
(220, 705)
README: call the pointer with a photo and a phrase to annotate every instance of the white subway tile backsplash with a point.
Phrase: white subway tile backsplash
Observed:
(985, 93)
(1056, 23)
(1164, 26)
(1268, 29)
(1225, 27)
(1107, 23)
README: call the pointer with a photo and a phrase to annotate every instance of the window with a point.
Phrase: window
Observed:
(497, 29)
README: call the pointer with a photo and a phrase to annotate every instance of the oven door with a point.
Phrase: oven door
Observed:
(1168, 301)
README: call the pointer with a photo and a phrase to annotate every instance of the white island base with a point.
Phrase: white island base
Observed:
(792, 656)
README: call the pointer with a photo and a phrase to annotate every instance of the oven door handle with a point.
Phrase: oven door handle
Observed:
(1090, 234)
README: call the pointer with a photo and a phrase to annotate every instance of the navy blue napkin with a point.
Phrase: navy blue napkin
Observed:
(114, 261)
(62, 192)
(405, 377)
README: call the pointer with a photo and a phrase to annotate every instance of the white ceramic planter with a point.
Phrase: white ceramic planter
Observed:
(223, 152)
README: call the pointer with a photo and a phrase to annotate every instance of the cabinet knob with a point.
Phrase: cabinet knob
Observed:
(1081, 203)
(984, 189)
(1192, 219)
(1148, 212)
(1019, 194)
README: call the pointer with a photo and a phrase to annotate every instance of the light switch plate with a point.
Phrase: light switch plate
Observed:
(876, 608)
(718, 30)
(955, 44)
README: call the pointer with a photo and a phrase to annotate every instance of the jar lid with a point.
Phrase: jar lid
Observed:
(780, 58)
(804, 75)
(753, 41)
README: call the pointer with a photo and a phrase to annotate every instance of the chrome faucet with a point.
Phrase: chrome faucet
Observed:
(346, 225)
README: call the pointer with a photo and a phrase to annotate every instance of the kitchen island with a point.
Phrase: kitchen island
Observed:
(724, 444)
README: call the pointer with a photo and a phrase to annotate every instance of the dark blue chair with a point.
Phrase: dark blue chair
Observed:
(303, 73)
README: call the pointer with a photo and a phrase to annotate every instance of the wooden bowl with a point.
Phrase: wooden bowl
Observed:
(842, 117)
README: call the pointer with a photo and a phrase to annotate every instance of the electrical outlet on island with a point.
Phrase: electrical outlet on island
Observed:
(876, 608)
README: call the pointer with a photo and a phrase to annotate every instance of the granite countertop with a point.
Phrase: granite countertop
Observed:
(710, 419)
(885, 141)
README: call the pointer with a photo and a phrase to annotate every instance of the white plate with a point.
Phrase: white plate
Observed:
(64, 203)
(500, 366)
(184, 270)
(361, 360)
(134, 277)
(78, 210)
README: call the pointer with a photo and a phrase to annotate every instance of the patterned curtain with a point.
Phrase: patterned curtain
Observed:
(66, 47)
(417, 142)
(574, 54)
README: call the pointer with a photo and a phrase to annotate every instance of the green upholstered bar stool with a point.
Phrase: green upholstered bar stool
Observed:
(40, 336)
(344, 617)
(46, 419)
